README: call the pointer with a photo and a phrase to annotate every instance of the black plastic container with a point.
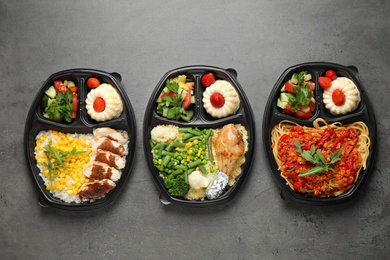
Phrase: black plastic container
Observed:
(273, 115)
(82, 124)
(201, 119)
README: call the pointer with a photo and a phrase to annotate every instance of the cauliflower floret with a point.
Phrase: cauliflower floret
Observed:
(163, 133)
(197, 180)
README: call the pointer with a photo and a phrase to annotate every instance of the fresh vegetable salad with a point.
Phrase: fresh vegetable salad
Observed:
(297, 96)
(60, 101)
(176, 99)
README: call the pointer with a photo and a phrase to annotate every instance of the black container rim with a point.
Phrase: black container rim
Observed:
(45, 201)
(165, 198)
(286, 192)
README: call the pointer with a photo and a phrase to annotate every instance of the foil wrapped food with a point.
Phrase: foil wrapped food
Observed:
(217, 186)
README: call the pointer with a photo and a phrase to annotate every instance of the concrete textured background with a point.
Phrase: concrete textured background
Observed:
(142, 40)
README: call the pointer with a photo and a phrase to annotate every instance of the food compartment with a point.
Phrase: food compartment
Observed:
(82, 165)
(361, 120)
(339, 93)
(103, 99)
(295, 95)
(59, 99)
(220, 95)
(175, 158)
(174, 98)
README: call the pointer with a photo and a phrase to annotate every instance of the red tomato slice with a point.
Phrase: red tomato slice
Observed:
(312, 106)
(325, 82)
(331, 74)
(93, 82)
(59, 86)
(289, 110)
(75, 105)
(338, 97)
(187, 100)
(208, 79)
(170, 93)
(290, 87)
(99, 104)
(303, 115)
(312, 85)
(74, 89)
(217, 100)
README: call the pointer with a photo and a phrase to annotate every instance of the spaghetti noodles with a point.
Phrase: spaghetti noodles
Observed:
(326, 139)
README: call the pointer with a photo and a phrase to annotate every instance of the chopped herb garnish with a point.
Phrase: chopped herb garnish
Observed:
(315, 157)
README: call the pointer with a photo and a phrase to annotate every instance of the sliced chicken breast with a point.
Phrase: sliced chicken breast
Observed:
(111, 133)
(107, 144)
(99, 171)
(96, 188)
(109, 158)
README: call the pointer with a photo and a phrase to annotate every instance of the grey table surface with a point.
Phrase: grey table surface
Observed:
(142, 40)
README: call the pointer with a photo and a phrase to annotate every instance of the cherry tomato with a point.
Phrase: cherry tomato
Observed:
(217, 100)
(325, 82)
(208, 79)
(338, 97)
(59, 86)
(93, 82)
(331, 74)
(290, 87)
(303, 115)
(75, 105)
(187, 100)
(99, 104)
(74, 89)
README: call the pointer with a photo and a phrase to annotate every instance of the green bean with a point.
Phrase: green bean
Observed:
(194, 163)
(186, 136)
(203, 169)
(178, 144)
(186, 176)
(167, 153)
(183, 130)
(177, 172)
(210, 150)
(166, 160)
(182, 167)
(195, 131)
(193, 138)
(160, 149)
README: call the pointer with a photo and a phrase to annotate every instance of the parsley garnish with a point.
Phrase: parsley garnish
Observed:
(303, 94)
(316, 158)
(61, 107)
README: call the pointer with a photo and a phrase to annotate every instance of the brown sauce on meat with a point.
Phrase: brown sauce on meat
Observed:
(99, 172)
(95, 189)
(109, 159)
(108, 146)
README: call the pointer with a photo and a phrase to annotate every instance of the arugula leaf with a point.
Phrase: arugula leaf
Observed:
(316, 157)
(56, 159)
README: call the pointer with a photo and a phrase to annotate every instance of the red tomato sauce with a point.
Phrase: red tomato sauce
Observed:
(329, 140)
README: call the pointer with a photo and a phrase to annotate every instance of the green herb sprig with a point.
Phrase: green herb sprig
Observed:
(316, 158)
(59, 159)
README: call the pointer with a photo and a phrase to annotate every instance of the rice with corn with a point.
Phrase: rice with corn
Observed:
(66, 183)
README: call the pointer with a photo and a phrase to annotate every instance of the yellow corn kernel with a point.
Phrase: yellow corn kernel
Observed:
(188, 145)
(196, 141)
(189, 152)
(159, 161)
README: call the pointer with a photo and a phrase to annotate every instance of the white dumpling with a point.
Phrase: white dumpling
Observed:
(232, 100)
(351, 92)
(114, 103)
